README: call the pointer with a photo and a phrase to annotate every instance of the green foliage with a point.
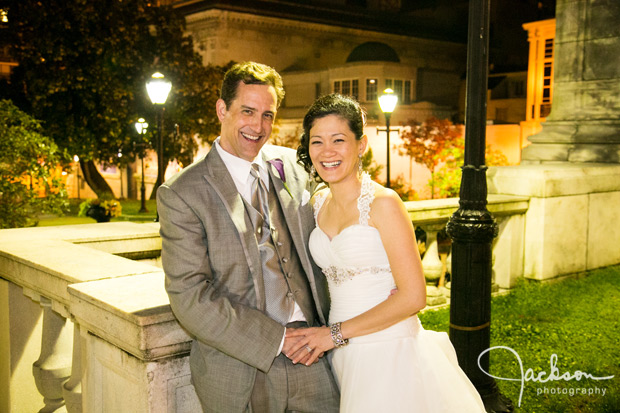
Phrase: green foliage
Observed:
(29, 166)
(399, 185)
(538, 320)
(84, 65)
(112, 207)
(446, 181)
(402, 188)
(370, 166)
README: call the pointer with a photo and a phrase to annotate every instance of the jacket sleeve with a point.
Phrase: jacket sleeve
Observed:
(213, 315)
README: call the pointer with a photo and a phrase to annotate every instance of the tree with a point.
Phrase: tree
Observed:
(427, 142)
(447, 180)
(29, 183)
(83, 66)
(369, 164)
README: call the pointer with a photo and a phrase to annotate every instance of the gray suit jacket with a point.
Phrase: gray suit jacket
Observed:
(214, 274)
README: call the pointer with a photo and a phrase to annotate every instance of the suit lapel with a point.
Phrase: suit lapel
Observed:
(291, 207)
(220, 180)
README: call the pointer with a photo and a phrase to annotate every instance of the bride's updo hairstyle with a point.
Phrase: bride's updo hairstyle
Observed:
(335, 104)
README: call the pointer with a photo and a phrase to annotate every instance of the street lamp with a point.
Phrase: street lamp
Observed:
(141, 127)
(76, 159)
(387, 102)
(158, 89)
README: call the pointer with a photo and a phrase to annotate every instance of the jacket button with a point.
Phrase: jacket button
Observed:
(285, 260)
(289, 274)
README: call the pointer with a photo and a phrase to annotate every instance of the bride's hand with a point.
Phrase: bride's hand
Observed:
(314, 342)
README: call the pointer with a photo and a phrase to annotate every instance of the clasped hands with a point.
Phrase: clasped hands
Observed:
(307, 345)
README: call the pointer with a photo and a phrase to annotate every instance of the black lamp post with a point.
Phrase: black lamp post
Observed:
(76, 159)
(141, 127)
(158, 89)
(387, 102)
(472, 227)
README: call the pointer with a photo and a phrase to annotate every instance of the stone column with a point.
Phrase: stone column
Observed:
(584, 124)
(570, 171)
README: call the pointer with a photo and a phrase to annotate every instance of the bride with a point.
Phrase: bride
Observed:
(364, 243)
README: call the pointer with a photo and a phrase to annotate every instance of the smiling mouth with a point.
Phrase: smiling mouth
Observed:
(331, 164)
(252, 138)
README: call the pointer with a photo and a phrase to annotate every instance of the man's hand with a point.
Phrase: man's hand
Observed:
(292, 350)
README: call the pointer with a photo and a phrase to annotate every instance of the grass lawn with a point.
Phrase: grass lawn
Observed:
(577, 320)
(130, 212)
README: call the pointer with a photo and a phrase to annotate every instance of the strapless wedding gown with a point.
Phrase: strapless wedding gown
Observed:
(403, 368)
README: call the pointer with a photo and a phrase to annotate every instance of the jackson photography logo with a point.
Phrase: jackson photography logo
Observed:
(544, 377)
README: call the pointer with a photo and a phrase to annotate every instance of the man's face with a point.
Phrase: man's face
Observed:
(247, 123)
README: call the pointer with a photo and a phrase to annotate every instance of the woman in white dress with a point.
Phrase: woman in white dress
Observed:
(364, 242)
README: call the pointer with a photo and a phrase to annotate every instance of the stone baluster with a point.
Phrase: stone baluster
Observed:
(53, 367)
(432, 265)
(72, 389)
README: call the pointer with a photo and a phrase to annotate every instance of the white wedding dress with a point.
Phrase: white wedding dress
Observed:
(403, 368)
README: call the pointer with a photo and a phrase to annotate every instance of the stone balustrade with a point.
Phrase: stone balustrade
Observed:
(87, 325)
(432, 216)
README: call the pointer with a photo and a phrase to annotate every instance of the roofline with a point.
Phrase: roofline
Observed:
(379, 21)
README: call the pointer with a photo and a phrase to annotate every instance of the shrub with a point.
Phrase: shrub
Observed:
(30, 166)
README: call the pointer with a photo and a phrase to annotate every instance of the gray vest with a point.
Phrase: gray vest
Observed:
(283, 275)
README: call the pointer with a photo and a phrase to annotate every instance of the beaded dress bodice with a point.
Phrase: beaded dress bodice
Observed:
(354, 261)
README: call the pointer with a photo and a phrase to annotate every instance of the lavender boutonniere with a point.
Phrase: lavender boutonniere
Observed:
(279, 165)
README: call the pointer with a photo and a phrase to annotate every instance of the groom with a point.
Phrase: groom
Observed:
(234, 229)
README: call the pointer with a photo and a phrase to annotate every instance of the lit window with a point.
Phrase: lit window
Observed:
(371, 90)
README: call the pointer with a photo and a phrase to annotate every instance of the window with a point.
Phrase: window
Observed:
(519, 89)
(371, 90)
(401, 88)
(501, 114)
(349, 87)
(547, 78)
(398, 89)
(346, 87)
(407, 92)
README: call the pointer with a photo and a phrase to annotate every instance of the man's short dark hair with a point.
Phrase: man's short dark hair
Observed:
(250, 73)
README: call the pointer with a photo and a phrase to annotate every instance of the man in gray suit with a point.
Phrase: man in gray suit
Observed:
(234, 228)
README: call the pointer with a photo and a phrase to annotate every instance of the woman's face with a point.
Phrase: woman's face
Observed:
(333, 149)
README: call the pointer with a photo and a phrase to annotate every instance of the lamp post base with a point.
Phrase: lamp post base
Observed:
(494, 401)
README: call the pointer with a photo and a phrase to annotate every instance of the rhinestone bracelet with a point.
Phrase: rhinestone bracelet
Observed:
(337, 338)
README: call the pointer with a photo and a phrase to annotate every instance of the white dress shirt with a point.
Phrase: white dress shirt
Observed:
(239, 169)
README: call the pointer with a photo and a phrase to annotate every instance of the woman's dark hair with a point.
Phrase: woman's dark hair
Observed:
(343, 106)
(250, 73)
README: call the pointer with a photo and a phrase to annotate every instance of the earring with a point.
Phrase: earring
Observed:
(312, 175)
(360, 169)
